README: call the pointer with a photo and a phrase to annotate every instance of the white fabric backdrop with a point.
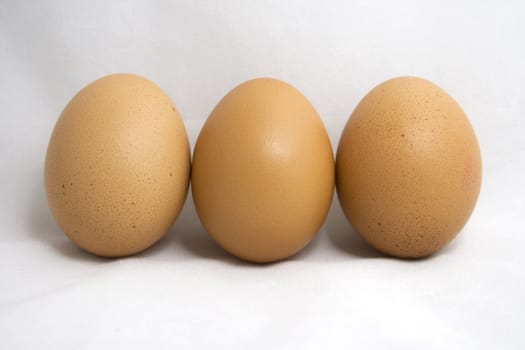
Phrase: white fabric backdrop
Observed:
(187, 293)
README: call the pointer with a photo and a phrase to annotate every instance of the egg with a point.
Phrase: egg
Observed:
(263, 171)
(117, 166)
(408, 168)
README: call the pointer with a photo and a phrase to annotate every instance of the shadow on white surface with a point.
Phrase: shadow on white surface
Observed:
(186, 234)
(187, 239)
(344, 237)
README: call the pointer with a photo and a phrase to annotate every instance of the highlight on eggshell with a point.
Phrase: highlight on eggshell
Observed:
(263, 171)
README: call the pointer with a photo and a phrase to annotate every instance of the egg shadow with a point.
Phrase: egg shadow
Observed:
(344, 237)
(309, 252)
(43, 228)
(188, 239)
(341, 234)
(186, 234)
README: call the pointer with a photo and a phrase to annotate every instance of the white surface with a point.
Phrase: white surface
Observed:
(185, 292)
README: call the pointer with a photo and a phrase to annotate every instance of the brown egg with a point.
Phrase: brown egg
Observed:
(408, 168)
(263, 171)
(117, 166)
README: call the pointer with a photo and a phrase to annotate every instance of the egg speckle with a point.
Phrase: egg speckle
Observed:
(408, 168)
(117, 166)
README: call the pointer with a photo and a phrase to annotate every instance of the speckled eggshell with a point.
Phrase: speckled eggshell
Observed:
(263, 171)
(408, 168)
(117, 166)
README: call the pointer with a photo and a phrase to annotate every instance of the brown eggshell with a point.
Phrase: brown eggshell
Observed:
(408, 168)
(117, 166)
(263, 171)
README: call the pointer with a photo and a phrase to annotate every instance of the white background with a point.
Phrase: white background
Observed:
(186, 292)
